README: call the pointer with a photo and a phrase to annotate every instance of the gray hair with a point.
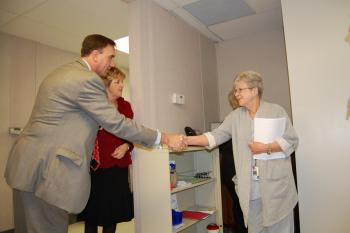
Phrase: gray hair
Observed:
(252, 79)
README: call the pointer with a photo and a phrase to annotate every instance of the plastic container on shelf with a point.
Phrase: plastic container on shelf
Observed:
(213, 228)
(173, 175)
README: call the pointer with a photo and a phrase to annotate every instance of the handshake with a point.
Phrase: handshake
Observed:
(176, 142)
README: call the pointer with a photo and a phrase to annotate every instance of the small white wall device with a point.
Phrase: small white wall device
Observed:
(178, 98)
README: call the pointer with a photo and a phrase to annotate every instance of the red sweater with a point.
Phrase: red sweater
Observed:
(107, 142)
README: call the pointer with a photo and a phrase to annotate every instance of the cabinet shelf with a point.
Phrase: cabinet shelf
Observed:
(186, 224)
(189, 222)
(179, 189)
(188, 149)
(152, 193)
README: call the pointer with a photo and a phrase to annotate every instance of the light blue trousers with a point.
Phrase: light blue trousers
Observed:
(286, 225)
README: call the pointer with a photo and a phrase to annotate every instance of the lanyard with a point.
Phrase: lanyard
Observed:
(255, 171)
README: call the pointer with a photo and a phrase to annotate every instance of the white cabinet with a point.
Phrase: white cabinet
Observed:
(152, 192)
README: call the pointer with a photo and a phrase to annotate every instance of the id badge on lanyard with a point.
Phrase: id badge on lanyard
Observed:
(255, 171)
(255, 168)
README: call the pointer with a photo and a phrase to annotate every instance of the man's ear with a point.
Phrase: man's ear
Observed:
(94, 55)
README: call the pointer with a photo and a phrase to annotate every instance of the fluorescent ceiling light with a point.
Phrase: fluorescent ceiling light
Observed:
(123, 44)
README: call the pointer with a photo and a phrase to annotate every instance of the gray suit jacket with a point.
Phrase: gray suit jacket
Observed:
(51, 157)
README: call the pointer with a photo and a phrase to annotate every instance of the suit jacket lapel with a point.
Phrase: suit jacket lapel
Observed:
(83, 63)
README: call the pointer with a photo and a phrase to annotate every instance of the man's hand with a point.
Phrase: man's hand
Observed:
(175, 142)
(120, 151)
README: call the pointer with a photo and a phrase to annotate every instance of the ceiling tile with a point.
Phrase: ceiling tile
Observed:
(263, 5)
(267, 20)
(184, 2)
(167, 4)
(5, 17)
(211, 12)
(81, 17)
(64, 23)
(188, 18)
(26, 28)
(19, 6)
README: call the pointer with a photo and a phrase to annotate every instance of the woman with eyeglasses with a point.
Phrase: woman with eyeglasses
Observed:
(264, 178)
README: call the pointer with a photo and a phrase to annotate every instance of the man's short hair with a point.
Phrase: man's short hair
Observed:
(94, 42)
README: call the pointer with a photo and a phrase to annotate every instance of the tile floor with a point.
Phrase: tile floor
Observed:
(126, 227)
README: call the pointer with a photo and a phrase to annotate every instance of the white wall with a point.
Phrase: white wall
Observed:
(319, 68)
(261, 52)
(23, 65)
(166, 57)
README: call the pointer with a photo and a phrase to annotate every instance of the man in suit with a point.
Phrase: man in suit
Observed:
(48, 167)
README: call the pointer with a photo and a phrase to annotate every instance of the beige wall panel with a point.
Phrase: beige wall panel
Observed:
(48, 59)
(264, 53)
(319, 68)
(210, 82)
(23, 65)
(21, 58)
(17, 72)
(165, 58)
(177, 70)
(6, 221)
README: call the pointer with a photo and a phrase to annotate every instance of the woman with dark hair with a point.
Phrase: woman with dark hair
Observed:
(228, 174)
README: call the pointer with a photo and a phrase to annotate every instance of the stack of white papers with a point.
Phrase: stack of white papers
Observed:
(267, 130)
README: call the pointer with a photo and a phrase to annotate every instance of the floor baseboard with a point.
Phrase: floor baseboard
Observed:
(8, 231)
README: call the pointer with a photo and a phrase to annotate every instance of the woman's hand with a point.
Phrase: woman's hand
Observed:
(258, 147)
(120, 151)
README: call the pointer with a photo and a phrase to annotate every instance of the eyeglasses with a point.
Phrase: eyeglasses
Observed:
(239, 90)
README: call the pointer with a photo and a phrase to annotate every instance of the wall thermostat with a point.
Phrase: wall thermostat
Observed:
(15, 130)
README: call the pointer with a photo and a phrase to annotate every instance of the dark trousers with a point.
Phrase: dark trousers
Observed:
(239, 226)
(227, 172)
